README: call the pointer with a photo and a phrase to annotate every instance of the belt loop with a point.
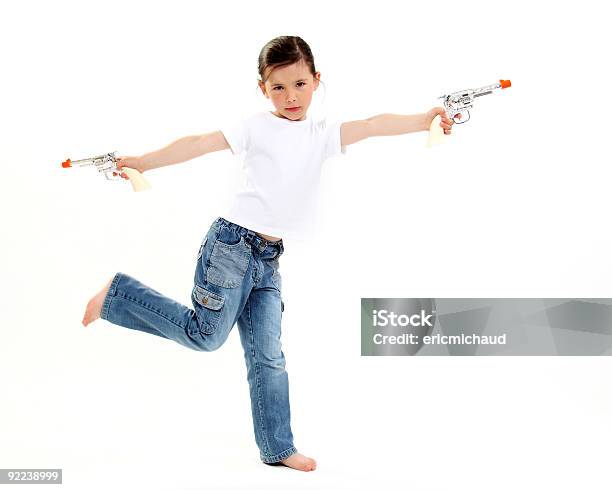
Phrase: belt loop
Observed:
(249, 237)
(252, 236)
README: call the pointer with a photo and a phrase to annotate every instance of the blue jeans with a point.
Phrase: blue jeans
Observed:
(236, 280)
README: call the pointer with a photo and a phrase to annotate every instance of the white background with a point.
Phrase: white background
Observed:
(514, 204)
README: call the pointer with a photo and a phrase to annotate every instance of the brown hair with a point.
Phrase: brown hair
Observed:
(283, 51)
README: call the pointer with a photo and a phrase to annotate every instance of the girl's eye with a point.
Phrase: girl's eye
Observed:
(300, 84)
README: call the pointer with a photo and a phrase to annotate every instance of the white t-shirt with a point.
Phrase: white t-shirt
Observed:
(282, 163)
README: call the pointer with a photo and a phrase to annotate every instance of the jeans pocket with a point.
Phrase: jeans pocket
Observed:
(228, 262)
(208, 308)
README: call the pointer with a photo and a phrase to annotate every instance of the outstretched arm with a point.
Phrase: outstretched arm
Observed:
(184, 149)
(392, 124)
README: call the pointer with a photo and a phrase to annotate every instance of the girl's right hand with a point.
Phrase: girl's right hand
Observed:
(130, 162)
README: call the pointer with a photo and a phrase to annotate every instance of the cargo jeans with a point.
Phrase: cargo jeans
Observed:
(236, 280)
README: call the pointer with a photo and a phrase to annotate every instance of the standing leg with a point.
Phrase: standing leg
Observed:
(259, 327)
(260, 330)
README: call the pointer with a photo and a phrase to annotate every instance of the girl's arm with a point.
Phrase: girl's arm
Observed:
(184, 149)
(392, 124)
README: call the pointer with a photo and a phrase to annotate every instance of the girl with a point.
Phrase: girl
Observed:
(237, 277)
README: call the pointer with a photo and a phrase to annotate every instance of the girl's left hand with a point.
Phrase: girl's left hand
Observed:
(446, 123)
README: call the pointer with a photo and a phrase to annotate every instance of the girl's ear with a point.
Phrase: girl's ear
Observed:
(317, 79)
(262, 86)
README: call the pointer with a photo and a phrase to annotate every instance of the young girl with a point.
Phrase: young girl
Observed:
(237, 277)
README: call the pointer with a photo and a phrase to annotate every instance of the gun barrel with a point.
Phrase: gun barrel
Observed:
(487, 89)
(98, 160)
(82, 163)
(79, 163)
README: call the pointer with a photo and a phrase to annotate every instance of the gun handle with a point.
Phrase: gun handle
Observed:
(139, 183)
(436, 133)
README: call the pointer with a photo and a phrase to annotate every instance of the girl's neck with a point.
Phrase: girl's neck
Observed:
(280, 116)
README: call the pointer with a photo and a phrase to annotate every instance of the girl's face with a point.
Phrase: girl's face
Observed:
(291, 87)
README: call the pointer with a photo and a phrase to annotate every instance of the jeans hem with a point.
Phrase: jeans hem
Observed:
(275, 459)
(112, 291)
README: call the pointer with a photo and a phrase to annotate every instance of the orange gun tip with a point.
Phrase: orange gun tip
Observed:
(505, 83)
(66, 164)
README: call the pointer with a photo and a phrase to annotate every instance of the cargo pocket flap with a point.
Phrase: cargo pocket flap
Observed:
(208, 299)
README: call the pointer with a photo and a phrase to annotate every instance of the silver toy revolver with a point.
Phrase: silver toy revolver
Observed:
(107, 165)
(459, 102)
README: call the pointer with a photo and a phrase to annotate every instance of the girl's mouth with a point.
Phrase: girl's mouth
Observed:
(293, 109)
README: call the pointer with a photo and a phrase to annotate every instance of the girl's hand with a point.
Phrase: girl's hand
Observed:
(445, 123)
(130, 162)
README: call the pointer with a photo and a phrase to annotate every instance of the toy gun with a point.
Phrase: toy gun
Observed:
(107, 165)
(459, 102)
(457, 107)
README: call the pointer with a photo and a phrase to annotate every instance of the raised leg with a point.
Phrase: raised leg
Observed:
(132, 304)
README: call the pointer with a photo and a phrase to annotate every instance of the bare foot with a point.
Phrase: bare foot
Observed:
(94, 307)
(300, 462)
